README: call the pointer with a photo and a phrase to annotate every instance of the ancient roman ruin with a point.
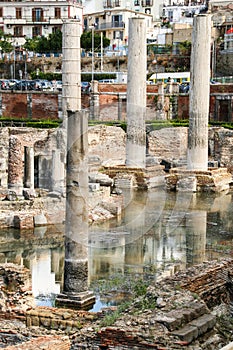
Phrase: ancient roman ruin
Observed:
(48, 178)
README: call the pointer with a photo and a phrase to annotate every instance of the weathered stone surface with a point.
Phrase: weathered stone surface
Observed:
(204, 323)
(40, 220)
(188, 184)
(188, 333)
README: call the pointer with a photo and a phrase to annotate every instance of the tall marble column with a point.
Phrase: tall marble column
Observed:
(71, 66)
(29, 167)
(136, 94)
(75, 290)
(197, 155)
(76, 238)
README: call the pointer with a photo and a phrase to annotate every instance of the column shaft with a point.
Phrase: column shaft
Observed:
(136, 94)
(71, 65)
(197, 156)
(76, 236)
(29, 167)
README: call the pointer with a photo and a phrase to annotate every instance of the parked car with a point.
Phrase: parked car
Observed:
(46, 85)
(58, 85)
(85, 86)
(184, 88)
(4, 84)
(23, 85)
(107, 81)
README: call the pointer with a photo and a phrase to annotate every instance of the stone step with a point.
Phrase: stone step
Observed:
(179, 317)
(196, 328)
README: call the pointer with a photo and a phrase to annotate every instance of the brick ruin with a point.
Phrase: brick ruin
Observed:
(182, 313)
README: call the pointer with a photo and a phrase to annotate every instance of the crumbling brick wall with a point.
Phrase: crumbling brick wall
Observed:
(45, 342)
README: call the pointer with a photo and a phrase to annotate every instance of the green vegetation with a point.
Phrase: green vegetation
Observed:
(46, 76)
(159, 124)
(86, 41)
(6, 42)
(110, 318)
(120, 124)
(42, 124)
(132, 288)
(53, 42)
(42, 44)
(227, 125)
(88, 77)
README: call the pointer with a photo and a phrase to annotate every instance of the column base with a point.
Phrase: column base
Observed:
(79, 301)
(213, 179)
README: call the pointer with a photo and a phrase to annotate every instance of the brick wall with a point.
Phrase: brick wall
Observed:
(44, 105)
(31, 105)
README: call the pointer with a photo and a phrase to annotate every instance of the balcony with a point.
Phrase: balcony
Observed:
(11, 21)
(110, 25)
(111, 3)
(146, 3)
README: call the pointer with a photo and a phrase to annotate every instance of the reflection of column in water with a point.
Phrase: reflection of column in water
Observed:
(43, 280)
(196, 236)
(135, 225)
(105, 260)
(57, 263)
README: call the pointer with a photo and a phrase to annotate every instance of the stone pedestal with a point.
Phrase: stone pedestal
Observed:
(143, 178)
(212, 179)
(83, 300)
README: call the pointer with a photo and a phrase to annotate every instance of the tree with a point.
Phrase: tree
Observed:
(42, 44)
(86, 41)
(6, 42)
(31, 44)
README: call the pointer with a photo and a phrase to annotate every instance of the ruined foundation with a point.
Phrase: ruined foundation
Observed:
(212, 179)
(143, 178)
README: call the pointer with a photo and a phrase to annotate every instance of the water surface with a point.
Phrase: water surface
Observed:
(157, 234)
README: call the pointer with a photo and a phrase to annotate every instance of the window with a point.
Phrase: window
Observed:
(18, 12)
(1, 12)
(37, 15)
(118, 35)
(36, 31)
(147, 3)
(117, 3)
(55, 29)
(57, 12)
(136, 2)
(108, 3)
(18, 31)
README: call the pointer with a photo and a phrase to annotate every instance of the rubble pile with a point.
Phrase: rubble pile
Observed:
(178, 312)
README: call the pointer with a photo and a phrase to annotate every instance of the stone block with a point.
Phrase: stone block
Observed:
(23, 222)
(204, 323)
(45, 321)
(187, 333)
(40, 220)
(35, 321)
(170, 322)
(187, 184)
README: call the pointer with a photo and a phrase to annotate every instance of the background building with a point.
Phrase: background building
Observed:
(36, 18)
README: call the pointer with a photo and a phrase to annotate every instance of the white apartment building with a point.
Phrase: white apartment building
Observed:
(33, 18)
(111, 17)
(149, 7)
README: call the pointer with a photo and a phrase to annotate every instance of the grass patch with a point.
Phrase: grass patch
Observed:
(42, 124)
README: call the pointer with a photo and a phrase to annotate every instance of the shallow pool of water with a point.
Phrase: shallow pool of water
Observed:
(157, 234)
